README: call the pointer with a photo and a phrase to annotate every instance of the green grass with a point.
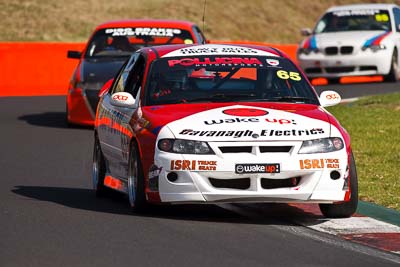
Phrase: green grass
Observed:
(374, 126)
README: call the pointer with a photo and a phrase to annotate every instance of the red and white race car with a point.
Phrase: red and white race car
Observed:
(108, 48)
(221, 123)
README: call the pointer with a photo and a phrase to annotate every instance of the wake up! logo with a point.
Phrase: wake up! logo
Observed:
(211, 122)
(248, 112)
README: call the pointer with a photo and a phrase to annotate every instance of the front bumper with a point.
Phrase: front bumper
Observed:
(358, 64)
(296, 182)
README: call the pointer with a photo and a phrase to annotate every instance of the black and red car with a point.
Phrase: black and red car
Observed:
(108, 48)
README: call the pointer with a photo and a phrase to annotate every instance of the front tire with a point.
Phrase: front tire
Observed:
(98, 170)
(136, 185)
(66, 117)
(393, 75)
(345, 209)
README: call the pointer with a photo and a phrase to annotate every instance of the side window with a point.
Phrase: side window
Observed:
(135, 76)
(199, 34)
(122, 77)
(396, 12)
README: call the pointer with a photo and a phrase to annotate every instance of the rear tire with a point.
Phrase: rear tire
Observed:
(98, 170)
(345, 209)
(136, 184)
(393, 75)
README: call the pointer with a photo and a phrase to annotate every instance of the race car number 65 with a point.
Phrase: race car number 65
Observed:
(284, 75)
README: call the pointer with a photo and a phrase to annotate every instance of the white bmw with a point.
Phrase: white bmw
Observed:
(353, 40)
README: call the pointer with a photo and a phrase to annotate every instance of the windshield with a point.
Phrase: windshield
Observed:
(196, 79)
(124, 41)
(354, 20)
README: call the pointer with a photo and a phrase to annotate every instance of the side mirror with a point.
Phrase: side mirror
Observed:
(123, 99)
(105, 88)
(306, 32)
(329, 98)
(74, 54)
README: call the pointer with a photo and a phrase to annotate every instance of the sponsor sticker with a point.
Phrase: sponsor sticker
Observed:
(272, 62)
(252, 119)
(292, 75)
(219, 49)
(257, 168)
(216, 49)
(233, 120)
(193, 165)
(309, 164)
(360, 12)
(247, 133)
(332, 96)
(143, 32)
(281, 121)
(120, 97)
(154, 173)
(216, 61)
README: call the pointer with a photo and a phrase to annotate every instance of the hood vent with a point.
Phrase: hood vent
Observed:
(275, 149)
(235, 149)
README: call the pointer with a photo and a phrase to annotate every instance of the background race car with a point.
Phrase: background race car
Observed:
(353, 40)
(107, 49)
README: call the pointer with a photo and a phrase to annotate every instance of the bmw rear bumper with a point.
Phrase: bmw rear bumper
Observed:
(359, 64)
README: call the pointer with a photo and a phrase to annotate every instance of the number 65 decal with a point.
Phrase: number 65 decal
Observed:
(284, 75)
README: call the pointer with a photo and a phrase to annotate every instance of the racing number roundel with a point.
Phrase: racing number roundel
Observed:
(245, 112)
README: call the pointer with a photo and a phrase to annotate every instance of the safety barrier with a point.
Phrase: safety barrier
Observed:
(29, 69)
(39, 68)
(33, 69)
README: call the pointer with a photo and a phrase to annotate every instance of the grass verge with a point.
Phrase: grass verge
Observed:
(374, 126)
(268, 21)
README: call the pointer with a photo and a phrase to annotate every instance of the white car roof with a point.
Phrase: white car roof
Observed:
(361, 6)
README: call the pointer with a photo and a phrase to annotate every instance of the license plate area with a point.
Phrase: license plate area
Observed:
(243, 168)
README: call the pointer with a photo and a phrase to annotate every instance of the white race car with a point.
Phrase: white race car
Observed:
(221, 123)
(353, 40)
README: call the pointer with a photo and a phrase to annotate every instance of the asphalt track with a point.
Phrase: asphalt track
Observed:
(50, 217)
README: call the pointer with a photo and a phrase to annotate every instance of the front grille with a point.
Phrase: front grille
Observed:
(93, 98)
(274, 149)
(279, 183)
(313, 70)
(340, 69)
(239, 183)
(331, 50)
(346, 50)
(235, 149)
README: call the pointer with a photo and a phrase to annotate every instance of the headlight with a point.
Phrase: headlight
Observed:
(182, 146)
(307, 51)
(374, 48)
(322, 145)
